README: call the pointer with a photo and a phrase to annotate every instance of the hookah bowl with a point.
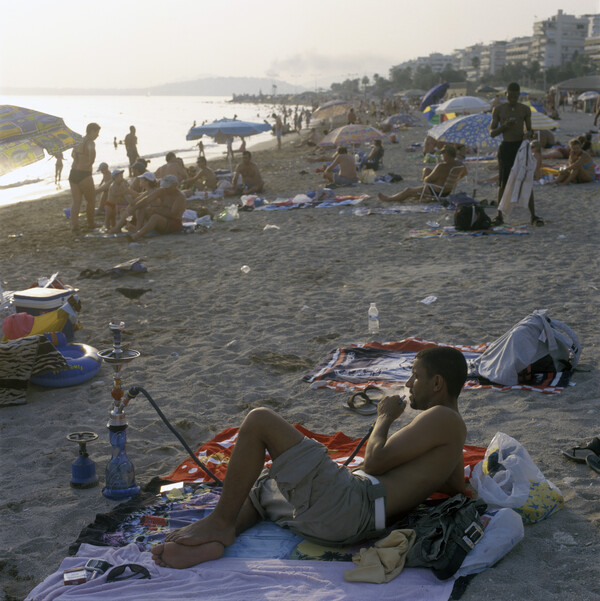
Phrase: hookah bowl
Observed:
(83, 469)
(120, 473)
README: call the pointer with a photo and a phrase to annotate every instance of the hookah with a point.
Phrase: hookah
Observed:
(120, 473)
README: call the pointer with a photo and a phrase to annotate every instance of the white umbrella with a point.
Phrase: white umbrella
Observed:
(463, 104)
(591, 95)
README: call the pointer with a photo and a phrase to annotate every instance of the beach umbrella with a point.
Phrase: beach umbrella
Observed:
(402, 119)
(591, 95)
(487, 90)
(464, 105)
(352, 135)
(25, 134)
(470, 130)
(542, 121)
(434, 95)
(225, 129)
(331, 109)
(431, 115)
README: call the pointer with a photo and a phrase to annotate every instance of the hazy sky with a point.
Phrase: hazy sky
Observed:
(139, 43)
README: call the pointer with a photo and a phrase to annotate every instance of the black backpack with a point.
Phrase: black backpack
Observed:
(470, 218)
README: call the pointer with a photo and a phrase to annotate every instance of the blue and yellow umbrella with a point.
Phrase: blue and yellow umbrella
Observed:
(25, 134)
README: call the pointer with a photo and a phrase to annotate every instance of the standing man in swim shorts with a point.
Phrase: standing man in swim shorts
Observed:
(512, 119)
(80, 177)
(131, 148)
(308, 492)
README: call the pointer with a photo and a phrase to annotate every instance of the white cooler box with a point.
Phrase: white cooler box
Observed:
(37, 301)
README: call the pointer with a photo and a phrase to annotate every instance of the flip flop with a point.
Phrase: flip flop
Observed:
(368, 407)
(537, 221)
(581, 453)
(593, 461)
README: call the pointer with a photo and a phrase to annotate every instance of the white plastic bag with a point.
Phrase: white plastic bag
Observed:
(508, 477)
(503, 530)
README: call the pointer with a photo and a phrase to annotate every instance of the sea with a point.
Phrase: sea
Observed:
(161, 123)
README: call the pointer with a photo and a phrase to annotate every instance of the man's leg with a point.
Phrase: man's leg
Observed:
(403, 195)
(89, 193)
(261, 430)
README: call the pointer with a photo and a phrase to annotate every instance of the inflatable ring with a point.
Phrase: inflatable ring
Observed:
(83, 364)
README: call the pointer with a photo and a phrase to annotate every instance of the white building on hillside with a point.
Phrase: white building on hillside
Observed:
(517, 50)
(557, 39)
(493, 57)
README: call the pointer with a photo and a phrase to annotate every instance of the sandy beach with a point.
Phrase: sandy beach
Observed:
(216, 342)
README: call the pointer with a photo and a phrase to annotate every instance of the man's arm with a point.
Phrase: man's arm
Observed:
(336, 161)
(495, 128)
(435, 427)
(528, 127)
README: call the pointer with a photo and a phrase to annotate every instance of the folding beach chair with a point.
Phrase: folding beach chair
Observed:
(439, 192)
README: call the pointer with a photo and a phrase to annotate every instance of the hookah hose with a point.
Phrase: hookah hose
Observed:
(133, 392)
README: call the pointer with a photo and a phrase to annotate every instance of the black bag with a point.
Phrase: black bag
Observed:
(446, 534)
(471, 218)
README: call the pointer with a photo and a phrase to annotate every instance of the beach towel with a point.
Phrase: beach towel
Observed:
(520, 181)
(451, 231)
(234, 579)
(403, 210)
(19, 360)
(303, 201)
(389, 365)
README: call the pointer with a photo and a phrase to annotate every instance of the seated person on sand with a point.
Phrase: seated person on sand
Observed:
(347, 174)
(437, 176)
(120, 197)
(173, 166)
(337, 505)
(159, 211)
(375, 156)
(102, 189)
(251, 180)
(205, 178)
(580, 169)
(139, 170)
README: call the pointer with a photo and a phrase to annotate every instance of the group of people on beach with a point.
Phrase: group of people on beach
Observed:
(149, 202)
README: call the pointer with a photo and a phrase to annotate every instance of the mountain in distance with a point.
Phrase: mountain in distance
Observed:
(206, 86)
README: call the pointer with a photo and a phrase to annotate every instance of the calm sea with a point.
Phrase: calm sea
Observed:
(162, 123)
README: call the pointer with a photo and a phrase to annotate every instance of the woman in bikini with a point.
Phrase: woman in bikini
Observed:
(80, 178)
(580, 169)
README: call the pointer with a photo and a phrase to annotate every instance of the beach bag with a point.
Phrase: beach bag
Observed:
(471, 218)
(538, 350)
(446, 534)
(508, 477)
(367, 176)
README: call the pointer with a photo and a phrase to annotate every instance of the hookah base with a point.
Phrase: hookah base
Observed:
(119, 494)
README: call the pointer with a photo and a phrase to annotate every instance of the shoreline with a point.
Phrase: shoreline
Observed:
(216, 342)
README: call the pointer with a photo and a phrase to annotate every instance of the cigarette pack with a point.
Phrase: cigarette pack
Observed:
(76, 575)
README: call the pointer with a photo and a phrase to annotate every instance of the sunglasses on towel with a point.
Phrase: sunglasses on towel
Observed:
(134, 571)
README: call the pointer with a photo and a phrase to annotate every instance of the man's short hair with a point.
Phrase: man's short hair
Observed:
(201, 161)
(92, 127)
(170, 156)
(447, 362)
(449, 150)
(342, 150)
(513, 86)
(247, 153)
(574, 142)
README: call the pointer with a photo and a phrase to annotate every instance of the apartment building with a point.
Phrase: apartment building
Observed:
(517, 50)
(493, 57)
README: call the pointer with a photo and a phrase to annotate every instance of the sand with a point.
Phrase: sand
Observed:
(216, 342)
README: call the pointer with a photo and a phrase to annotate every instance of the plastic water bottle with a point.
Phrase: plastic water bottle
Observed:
(373, 319)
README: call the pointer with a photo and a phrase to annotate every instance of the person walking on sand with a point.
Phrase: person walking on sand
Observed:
(80, 177)
(347, 174)
(131, 148)
(58, 167)
(335, 505)
(437, 177)
(513, 120)
(278, 129)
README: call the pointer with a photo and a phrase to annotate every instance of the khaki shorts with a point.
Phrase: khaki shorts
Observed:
(307, 492)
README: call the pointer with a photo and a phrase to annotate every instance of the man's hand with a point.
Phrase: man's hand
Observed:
(391, 407)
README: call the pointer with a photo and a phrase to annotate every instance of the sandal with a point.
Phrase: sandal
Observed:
(580, 454)
(497, 220)
(537, 221)
(369, 406)
(593, 461)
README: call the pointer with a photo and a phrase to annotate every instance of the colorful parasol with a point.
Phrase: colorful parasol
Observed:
(25, 134)
(352, 135)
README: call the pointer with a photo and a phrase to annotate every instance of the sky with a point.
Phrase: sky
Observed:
(141, 43)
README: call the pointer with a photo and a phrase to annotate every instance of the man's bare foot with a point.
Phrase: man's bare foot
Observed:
(203, 531)
(173, 555)
(382, 196)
